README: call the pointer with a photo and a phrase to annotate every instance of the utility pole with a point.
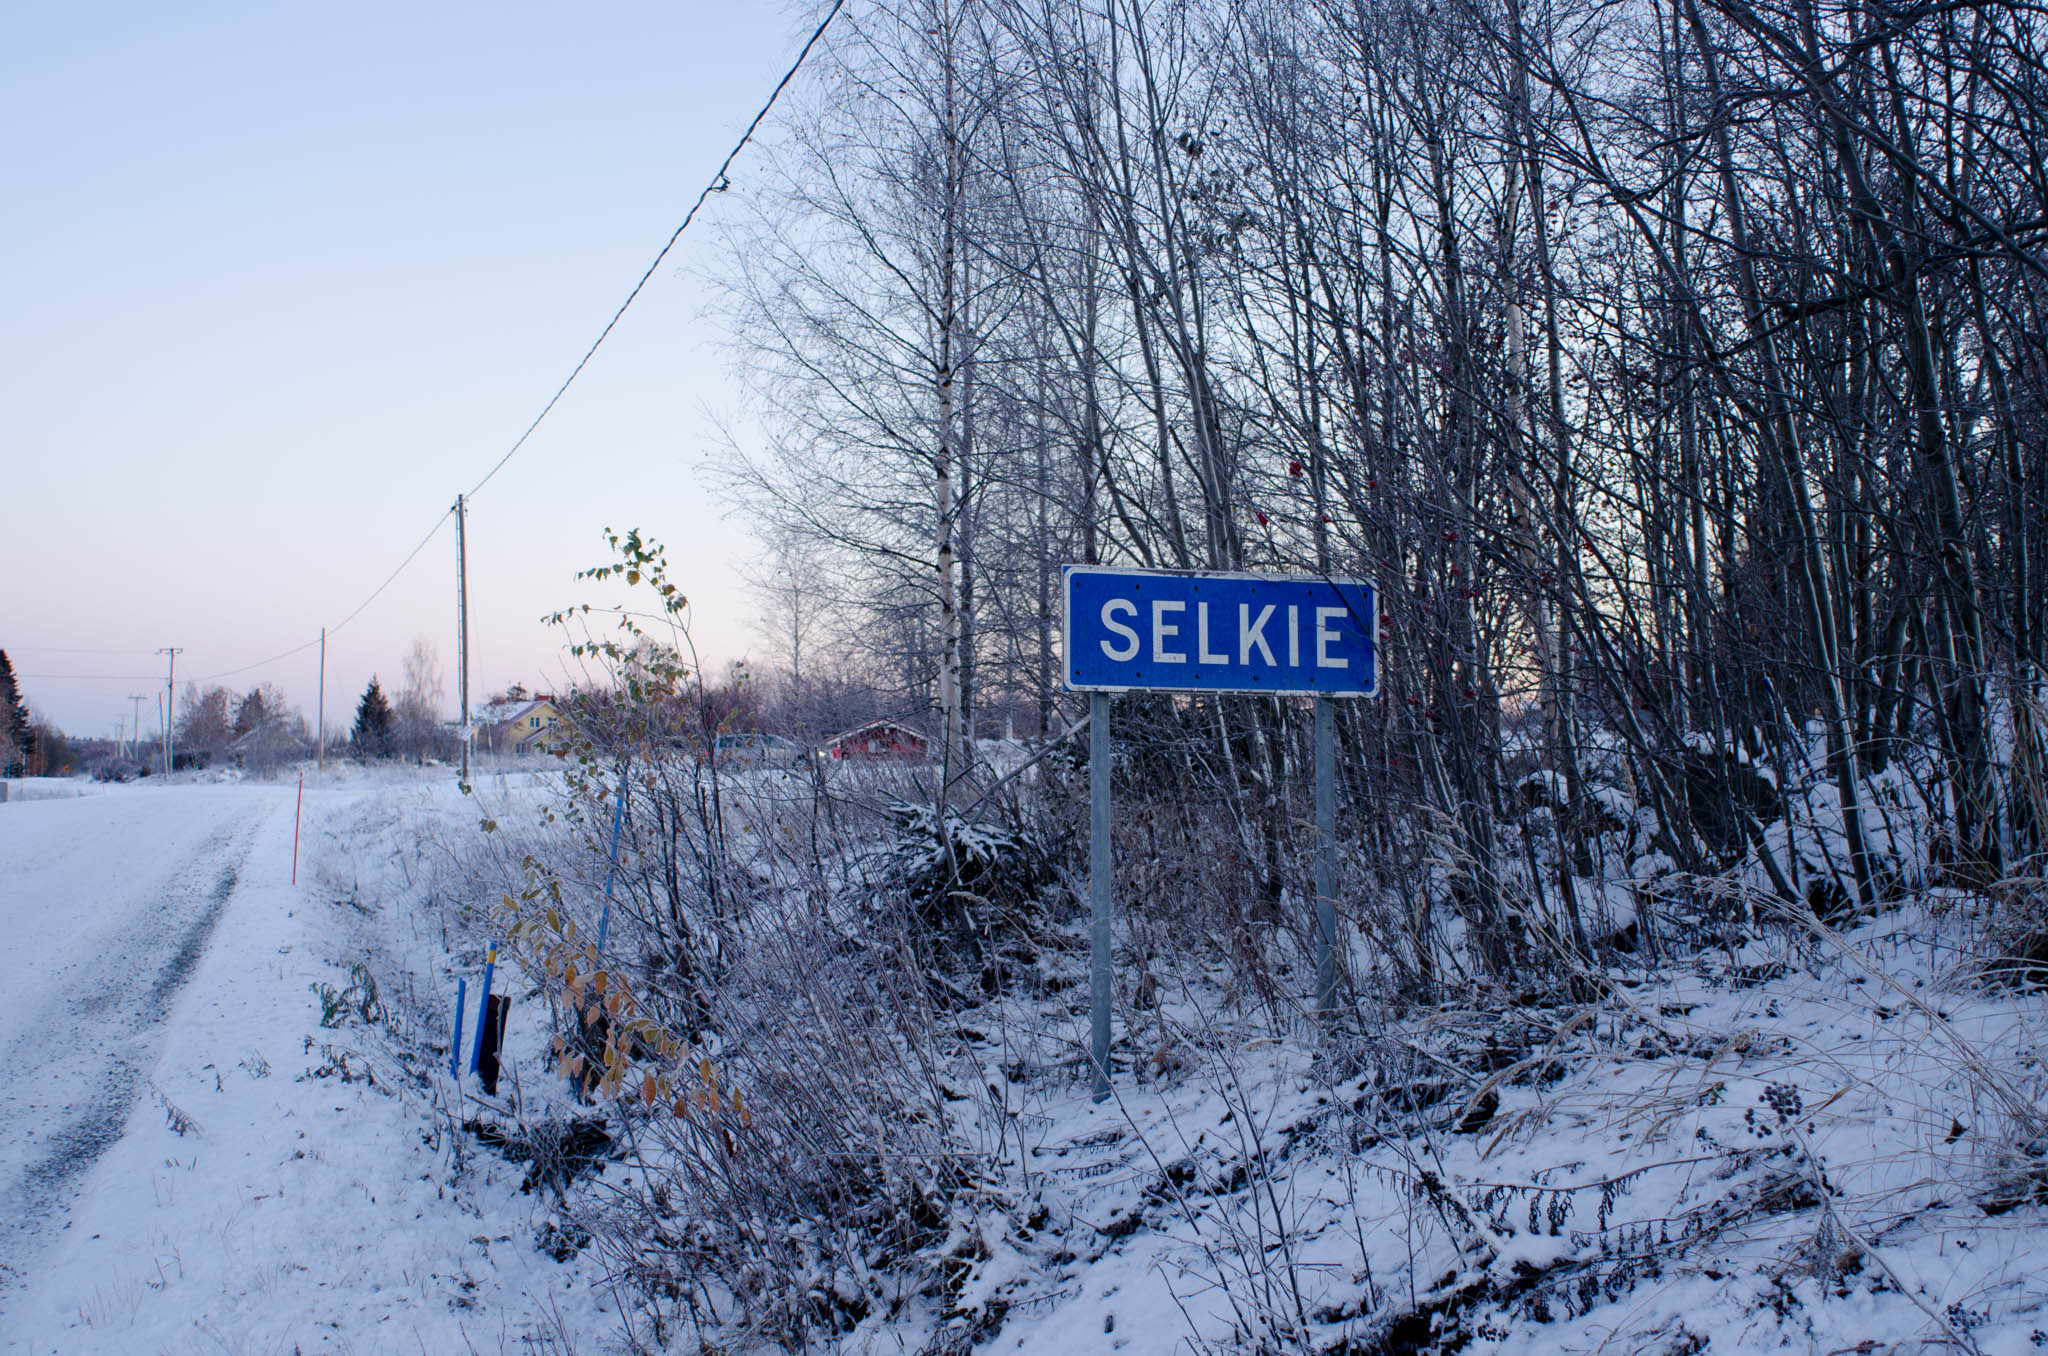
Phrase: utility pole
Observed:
(462, 628)
(320, 739)
(136, 724)
(170, 708)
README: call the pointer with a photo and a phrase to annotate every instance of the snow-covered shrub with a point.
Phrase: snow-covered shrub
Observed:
(2017, 942)
(975, 892)
(116, 769)
(937, 855)
(759, 1020)
(797, 1155)
(1723, 791)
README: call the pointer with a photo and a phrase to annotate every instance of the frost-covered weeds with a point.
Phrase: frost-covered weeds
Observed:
(771, 1028)
(838, 1025)
(873, 1117)
(865, 1110)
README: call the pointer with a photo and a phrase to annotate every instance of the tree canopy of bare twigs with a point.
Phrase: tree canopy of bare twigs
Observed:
(1675, 366)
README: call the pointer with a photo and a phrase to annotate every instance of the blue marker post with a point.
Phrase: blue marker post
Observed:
(455, 1042)
(483, 1009)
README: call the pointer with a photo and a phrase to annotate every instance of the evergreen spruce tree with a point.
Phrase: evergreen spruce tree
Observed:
(17, 737)
(374, 720)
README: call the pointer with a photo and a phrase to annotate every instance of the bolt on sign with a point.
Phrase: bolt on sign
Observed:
(1166, 631)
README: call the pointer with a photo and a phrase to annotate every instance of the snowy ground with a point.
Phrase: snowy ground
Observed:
(109, 906)
(1807, 1152)
(1808, 1145)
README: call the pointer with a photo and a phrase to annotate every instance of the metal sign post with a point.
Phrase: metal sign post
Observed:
(1101, 910)
(1161, 631)
(1326, 856)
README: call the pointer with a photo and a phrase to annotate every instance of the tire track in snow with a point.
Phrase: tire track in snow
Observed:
(69, 1088)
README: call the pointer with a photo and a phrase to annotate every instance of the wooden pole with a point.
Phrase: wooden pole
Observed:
(320, 740)
(462, 627)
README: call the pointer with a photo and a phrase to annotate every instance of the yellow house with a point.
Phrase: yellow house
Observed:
(521, 728)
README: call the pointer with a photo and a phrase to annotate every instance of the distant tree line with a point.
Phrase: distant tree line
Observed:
(261, 728)
(214, 719)
(256, 728)
(29, 745)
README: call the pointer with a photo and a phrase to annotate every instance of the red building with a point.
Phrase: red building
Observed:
(879, 739)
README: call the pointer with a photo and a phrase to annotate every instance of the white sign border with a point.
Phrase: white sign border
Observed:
(1258, 576)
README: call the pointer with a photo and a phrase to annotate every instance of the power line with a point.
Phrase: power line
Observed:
(281, 655)
(296, 649)
(716, 185)
(432, 532)
(229, 673)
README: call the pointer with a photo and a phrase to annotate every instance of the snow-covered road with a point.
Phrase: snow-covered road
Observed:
(198, 1150)
(107, 903)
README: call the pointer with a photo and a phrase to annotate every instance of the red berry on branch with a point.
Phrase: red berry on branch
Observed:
(1294, 468)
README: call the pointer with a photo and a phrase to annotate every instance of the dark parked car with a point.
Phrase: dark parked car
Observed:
(759, 750)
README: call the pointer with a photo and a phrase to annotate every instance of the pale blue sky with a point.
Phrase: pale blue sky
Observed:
(280, 280)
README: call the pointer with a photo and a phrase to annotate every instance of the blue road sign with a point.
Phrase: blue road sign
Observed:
(1155, 630)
